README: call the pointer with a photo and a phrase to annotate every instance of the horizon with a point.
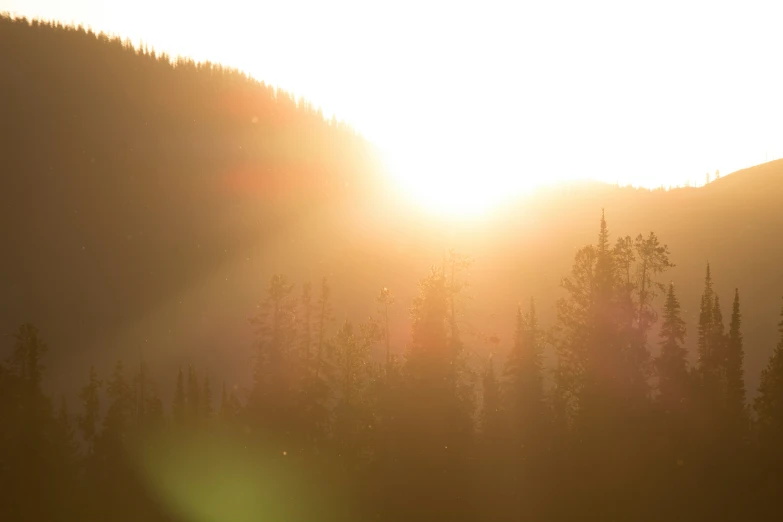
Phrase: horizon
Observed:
(601, 111)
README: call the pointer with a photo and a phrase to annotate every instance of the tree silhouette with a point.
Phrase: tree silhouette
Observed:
(672, 363)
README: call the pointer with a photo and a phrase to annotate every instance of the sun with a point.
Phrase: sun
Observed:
(455, 184)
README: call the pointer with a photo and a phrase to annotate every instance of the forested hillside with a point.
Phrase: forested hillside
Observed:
(128, 175)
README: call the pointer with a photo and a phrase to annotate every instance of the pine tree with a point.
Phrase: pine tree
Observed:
(351, 356)
(433, 424)
(707, 357)
(672, 363)
(653, 260)
(275, 390)
(769, 403)
(733, 371)
(523, 378)
(352, 352)
(604, 269)
(718, 334)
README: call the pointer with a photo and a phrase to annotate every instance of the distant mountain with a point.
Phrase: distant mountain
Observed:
(145, 202)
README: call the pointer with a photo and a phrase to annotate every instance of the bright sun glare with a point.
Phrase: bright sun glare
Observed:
(455, 185)
(476, 102)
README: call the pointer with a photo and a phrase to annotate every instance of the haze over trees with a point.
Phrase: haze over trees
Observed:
(335, 433)
(348, 365)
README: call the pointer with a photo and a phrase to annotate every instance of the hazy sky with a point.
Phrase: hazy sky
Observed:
(648, 93)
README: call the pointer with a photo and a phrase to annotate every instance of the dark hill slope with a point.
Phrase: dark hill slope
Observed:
(126, 176)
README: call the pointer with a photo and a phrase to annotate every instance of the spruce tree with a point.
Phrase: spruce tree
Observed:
(604, 270)
(718, 335)
(769, 403)
(734, 374)
(352, 352)
(653, 260)
(707, 357)
(672, 362)
(523, 388)
(435, 426)
(277, 388)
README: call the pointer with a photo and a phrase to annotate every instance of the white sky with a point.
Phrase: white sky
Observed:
(648, 93)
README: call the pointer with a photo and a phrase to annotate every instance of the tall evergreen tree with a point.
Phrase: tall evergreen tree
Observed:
(523, 387)
(351, 415)
(604, 268)
(769, 404)
(672, 363)
(734, 374)
(707, 357)
(274, 395)
(435, 438)
(718, 335)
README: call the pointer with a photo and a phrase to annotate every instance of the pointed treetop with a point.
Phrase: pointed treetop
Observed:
(603, 235)
(780, 328)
